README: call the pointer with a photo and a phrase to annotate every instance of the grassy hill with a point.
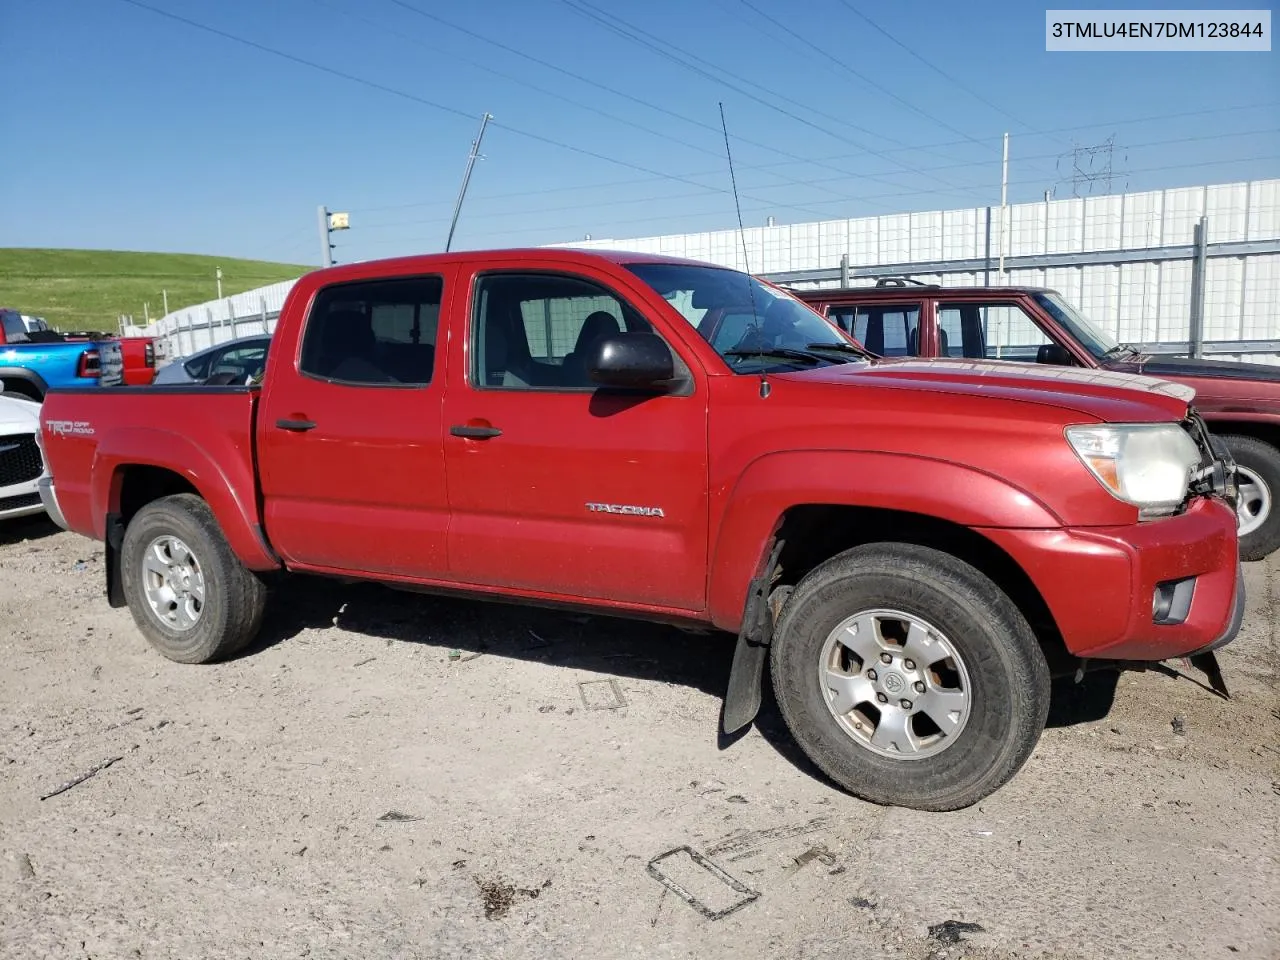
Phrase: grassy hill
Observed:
(90, 289)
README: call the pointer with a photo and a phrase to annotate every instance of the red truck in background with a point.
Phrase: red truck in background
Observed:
(138, 354)
(915, 547)
(1239, 401)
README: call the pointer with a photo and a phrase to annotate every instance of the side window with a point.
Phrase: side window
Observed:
(198, 367)
(534, 331)
(996, 331)
(15, 331)
(374, 332)
(891, 330)
(956, 338)
(246, 361)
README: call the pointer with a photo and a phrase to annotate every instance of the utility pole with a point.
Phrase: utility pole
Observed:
(1004, 200)
(466, 178)
(329, 222)
(218, 274)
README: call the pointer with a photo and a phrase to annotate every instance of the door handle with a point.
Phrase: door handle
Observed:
(297, 426)
(474, 433)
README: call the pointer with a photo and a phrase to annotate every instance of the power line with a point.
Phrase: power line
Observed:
(689, 61)
(763, 208)
(684, 196)
(951, 78)
(431, 103)
(709, 190)
(436, 18)
(523, 83)
(839, 62)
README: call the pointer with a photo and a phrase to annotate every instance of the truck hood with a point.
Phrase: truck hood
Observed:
(1188, 367)
(18, 415)
(1106, 395)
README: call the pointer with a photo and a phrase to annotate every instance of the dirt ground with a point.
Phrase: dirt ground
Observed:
(387, 775)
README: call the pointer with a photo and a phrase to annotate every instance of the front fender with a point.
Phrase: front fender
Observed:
(223, 477)
(777, 482)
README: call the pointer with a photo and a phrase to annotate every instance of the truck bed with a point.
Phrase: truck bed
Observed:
(130, 439)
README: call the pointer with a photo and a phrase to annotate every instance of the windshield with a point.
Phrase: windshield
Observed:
(753, 325)
(1097, 342)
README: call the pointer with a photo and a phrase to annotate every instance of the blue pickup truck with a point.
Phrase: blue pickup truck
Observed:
(33, 361)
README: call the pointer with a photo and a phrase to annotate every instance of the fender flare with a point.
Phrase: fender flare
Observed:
(777, 482)
(220, 476)
(26, 375)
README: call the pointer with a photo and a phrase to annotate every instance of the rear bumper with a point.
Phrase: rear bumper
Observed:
(1101, 583)
(49, 498)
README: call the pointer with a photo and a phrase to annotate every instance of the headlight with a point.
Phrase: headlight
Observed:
(1146, 464)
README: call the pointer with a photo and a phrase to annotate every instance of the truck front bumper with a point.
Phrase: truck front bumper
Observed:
(1149, 591)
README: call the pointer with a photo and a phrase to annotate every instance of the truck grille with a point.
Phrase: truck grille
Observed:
(17, 503)
(19, 459)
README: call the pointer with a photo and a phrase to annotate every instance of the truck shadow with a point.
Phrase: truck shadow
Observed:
(625, 649)
(35, 527)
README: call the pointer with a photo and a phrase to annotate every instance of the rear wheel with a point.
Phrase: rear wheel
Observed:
(1258, 463)
(188, 592)
(909, 677)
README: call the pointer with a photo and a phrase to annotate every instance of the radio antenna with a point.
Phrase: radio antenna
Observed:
(746, 262)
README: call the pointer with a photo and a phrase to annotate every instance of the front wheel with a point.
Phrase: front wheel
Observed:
(1258, 466)
(188, 592)
(909, 677)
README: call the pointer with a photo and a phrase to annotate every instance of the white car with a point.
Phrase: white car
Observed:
(21, 462)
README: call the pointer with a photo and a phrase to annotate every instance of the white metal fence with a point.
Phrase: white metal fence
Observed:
(1127, 261)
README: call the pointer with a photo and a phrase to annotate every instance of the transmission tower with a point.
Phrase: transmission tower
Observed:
(1090, 165)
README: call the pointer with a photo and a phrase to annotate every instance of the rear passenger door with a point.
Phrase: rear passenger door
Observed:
(351, 453)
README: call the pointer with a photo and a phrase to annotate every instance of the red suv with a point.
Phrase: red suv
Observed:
(1239, 401)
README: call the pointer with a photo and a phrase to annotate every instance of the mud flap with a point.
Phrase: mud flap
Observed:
(1207, 663)
(115, 540)
(743, 696)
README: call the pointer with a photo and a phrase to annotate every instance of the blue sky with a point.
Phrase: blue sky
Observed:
(127, 129)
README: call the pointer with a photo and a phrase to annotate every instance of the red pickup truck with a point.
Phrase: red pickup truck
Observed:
(1239, 401)
(915, 547)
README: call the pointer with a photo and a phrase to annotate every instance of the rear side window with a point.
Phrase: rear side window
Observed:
(374, 332)
(15, 331)
(891, 330)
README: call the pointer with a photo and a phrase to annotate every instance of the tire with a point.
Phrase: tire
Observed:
(1259, 464)
(996, 654)
(230, 613)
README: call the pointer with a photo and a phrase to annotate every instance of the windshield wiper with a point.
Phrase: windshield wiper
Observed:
(1121, 349)
(781, 352)
(841, 347)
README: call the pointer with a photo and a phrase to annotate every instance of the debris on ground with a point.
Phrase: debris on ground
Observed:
(25, 871)
(953, 931)
(76, 781)
(361, 663)
(601, 694)
(700, 883)
(1179, 725)
(395, 816)
(499, 894)
(817, 852)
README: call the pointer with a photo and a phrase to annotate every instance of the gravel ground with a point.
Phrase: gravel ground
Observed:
(394, 776)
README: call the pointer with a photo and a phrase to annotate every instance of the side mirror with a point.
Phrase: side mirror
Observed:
(1053, 354)
(638, 361)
